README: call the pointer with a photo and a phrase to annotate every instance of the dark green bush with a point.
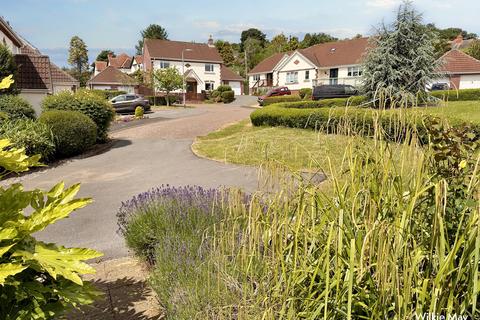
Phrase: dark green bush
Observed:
(305, 93)
(272, 100)
(15, 107)
(73, 132)
(36, 137)
(457, 95)
(86, 102)
(224, 88)
(162, 100)
(215, 94)
(228, 96)
(108, 94)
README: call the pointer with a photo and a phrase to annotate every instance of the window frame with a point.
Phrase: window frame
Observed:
(212, 85)
(292, 77)
(164, 64)
(212, 65)
(354, 71)
(256, 77)
(307, 75)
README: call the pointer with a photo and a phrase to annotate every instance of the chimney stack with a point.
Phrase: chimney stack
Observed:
(210, 42)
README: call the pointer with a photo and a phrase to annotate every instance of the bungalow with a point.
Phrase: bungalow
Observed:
(111, 78)
(36, 76)
(459, 70)
(327, 63)
(201, 64)
(123, 62)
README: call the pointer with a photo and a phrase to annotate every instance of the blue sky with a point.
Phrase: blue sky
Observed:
(115, 24)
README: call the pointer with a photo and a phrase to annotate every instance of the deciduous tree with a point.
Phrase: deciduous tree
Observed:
(474, 49)
(78, 59)
(252, 33)
(226, 51)
(7, 68)
(167, 80)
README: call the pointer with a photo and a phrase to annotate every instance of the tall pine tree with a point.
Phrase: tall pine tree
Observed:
(401, 61)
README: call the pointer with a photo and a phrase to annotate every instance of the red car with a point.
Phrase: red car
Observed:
(276, 92)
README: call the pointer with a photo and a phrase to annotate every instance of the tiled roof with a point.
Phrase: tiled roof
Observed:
(172, 50)
(227, 74)
(34, 72)
(139, 59)
(31, 51)
(268, 64)
(60, 76)
(458, 62)
(8, 31)
(100, 65)
(112, 75)
(339, 53)
(121, 61)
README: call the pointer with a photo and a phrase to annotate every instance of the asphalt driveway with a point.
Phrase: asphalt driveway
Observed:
(142, 157)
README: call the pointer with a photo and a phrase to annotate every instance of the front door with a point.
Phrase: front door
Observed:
(269, 79)
(334, 76)
(191, 90)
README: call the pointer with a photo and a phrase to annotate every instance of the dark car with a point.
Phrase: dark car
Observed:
(439, 86)
(276, 92)
(129, 102)
(333, 91)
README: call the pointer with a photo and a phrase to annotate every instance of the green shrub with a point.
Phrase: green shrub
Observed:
(224, 88)
(15, 107)
(162, 100)
(457, 95)
(215, 94)
(228, 96)
(139, 112)
(305, 93)
(108, 94)
(73, 132)
(86, 102)
(34, 136)
(38, 280)
(273, 100)
(326, 103)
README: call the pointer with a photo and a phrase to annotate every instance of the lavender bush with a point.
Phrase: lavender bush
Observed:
(170, 228)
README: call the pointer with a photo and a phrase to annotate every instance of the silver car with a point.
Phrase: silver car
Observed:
(129, 102)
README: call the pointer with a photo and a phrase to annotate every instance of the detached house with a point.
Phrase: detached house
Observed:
(459, 70)
(202, 65)
(36, 76)
(327, 63)
(113, 74)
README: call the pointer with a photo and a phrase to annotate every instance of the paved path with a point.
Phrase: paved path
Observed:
(142, 158)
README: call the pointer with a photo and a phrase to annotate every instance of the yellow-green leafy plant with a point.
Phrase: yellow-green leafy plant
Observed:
(38, 280)
(139, 112)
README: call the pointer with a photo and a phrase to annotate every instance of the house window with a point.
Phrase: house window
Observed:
(256, 77)
(209, 67)
(164, 64)
(292, 77)
(307, 75)
(354, 71)
(209, 85)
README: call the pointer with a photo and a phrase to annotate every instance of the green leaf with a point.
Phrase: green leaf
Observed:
(66, 262)
(10, 269)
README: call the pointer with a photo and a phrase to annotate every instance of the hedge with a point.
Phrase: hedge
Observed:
(162, 100)
(457, 95)
(86, 102)
(228, 96)
(361, 121)
(16, 107)
(73, 132)
(326, 103)
(108, 94)
(273, 100)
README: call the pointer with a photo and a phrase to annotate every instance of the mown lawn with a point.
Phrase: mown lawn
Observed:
(465, 110)
(242, 143)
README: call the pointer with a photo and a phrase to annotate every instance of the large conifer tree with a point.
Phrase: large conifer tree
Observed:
(401, 60)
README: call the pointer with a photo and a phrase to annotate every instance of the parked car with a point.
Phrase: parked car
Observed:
(129, 102)
(440, 86)
(333, 91)
(276, 92)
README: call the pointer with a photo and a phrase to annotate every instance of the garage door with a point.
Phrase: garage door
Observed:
(470, 81)
(236, 87)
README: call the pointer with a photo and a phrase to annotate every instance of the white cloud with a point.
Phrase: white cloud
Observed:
(207, 24)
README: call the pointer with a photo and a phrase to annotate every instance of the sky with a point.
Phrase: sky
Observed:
(116, 24)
